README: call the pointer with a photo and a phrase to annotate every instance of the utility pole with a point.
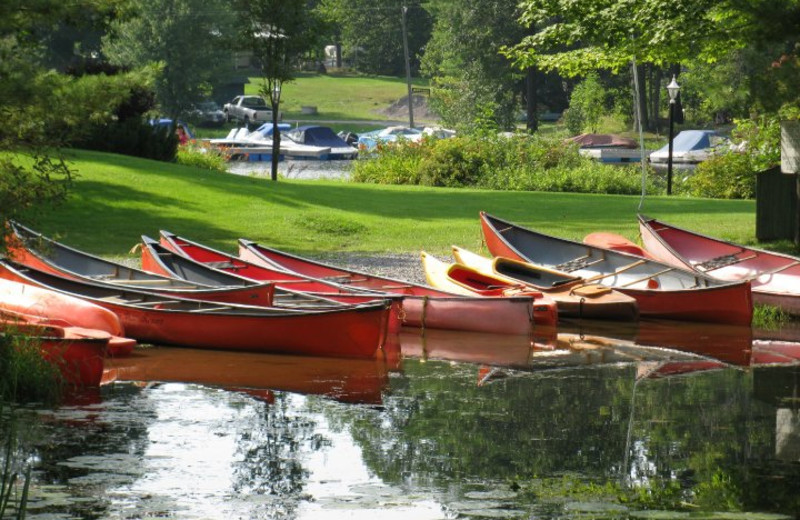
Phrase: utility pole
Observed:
(408, 70)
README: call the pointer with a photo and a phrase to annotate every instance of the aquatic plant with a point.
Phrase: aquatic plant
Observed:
(24, 374)
(9, 480)
(769, 317)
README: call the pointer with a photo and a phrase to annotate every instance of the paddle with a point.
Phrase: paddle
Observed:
(615, 272)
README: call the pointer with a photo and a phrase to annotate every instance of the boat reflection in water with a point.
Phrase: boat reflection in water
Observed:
(660, 347)
(346, 380)
(562, 351)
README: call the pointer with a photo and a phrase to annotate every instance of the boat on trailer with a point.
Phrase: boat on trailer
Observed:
(661, 290)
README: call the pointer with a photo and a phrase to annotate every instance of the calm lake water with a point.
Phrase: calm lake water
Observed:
(592, 422)
(306, 170)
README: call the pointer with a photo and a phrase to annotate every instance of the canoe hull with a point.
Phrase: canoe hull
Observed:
(17, 296)
(80, 359)
(774, 277)
(730, 303)
(418, 306)
(78, 353)
(356, 331)
(423, 307)
(348, 333)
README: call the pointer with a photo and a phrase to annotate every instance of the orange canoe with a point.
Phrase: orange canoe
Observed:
(353, 331)
(421, 306)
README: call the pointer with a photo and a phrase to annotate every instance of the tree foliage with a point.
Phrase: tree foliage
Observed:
(278, 33)
(576, 37)
(586, 105)
(371, 33)
(188, 39)
(475, 86)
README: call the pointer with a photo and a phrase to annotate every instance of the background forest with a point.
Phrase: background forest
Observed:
(89, 73)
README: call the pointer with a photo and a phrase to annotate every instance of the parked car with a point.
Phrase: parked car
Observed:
(248, 109)
(206, 113)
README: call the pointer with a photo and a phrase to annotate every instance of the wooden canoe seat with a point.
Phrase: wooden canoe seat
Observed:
(577, 263)
(722, 261)
(154, 303)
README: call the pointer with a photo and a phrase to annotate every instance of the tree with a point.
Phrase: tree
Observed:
(474, 84)
(39, 108)
(189, 39)
(278, 33)
(577, 37)
(371, 32)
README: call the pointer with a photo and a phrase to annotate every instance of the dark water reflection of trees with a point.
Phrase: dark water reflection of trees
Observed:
(721, 440)
(706, 439)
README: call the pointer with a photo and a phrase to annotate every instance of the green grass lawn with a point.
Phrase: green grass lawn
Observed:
(338, 97)
(116, 199)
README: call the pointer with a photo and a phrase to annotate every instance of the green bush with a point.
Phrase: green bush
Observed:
(134, 136)
(519, 162)
(199, 156)
(728, 176)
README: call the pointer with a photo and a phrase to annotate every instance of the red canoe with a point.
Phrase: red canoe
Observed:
(774, 277)
(77, 352)
(661, 290)
(353, 331)
(34, 250)
(291, 292)
(422, 306)
(41, 304)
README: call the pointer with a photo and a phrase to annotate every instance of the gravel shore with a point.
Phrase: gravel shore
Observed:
(405, 266)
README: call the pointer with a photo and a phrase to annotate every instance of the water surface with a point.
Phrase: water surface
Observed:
(446, 425)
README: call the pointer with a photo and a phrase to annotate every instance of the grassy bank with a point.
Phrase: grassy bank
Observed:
(337, 96)
(116, 199)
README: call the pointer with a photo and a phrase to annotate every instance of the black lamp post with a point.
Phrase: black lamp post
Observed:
(672, 89)
(276, 133)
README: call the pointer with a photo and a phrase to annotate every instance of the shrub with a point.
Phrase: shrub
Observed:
(200, 156)
(134, 136)
(520, 162)
(728, 176)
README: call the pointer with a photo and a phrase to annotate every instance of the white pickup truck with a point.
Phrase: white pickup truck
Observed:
(248, 109)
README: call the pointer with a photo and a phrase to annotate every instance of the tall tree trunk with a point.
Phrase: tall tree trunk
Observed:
(531, 100)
